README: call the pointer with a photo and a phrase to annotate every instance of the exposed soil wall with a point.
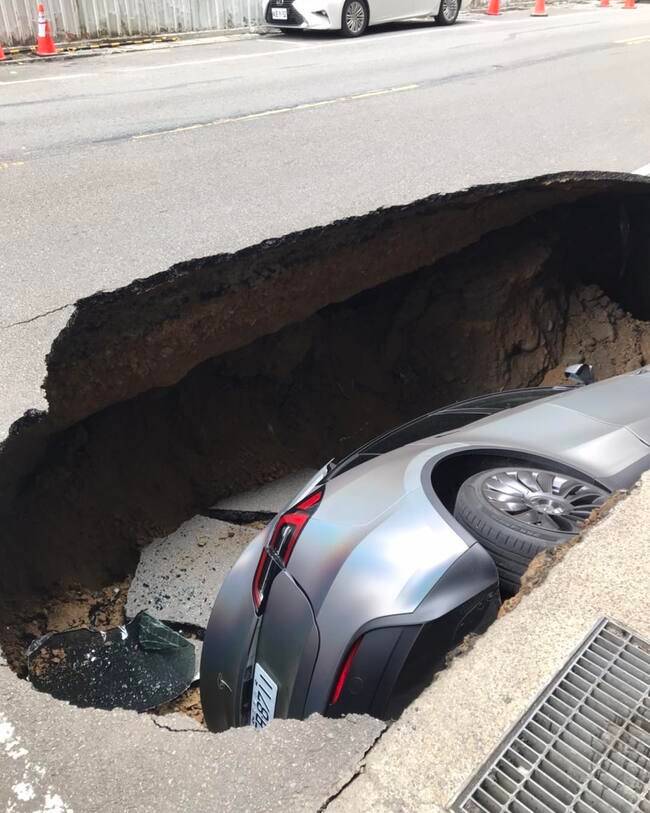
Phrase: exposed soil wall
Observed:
(151, 333)
(231, 371)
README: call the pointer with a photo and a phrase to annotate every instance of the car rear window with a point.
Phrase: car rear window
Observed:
(508, 400)
(443, 420)
(426, 426)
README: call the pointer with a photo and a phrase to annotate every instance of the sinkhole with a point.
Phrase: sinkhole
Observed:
(227, 372)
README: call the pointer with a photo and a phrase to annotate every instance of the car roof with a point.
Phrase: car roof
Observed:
(460, 414)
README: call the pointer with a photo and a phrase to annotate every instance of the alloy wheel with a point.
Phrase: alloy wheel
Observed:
(449, 9)
(355, 17)
(553, 502)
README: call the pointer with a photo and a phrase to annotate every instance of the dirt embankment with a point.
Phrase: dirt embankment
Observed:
(231, 371)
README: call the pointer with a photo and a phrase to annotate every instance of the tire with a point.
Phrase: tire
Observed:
(516, 512)
(354, 18)
(448, 13)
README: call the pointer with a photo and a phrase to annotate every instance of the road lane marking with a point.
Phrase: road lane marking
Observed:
(190, 63)
(60, 78)
(9, 164)
(644, 170)
(276, 111)
(289, 49)
(633, 40)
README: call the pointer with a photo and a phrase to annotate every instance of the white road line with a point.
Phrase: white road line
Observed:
(633, 40)
(644, 170)
(191, 63)
(60, 78)
(365, 41)
(277, 111)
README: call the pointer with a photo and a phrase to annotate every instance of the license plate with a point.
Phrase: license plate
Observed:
(265, 693)
(279, 14)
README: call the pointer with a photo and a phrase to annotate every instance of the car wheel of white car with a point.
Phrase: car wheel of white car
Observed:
(519, 511)
(448, 13)
(354, 20)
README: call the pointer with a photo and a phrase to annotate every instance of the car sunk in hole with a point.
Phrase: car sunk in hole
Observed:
(351, 598)
(353, 17)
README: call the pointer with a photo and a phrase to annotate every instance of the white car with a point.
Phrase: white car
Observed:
(352, 17)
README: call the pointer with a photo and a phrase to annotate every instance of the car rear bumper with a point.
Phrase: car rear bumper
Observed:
(397, 655)
(283, 641)
(229, 639)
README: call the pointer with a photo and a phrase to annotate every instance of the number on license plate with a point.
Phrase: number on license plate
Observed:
(265, 693)
(279, 14)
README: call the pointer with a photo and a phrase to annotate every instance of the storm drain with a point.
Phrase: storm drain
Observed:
(585, 744)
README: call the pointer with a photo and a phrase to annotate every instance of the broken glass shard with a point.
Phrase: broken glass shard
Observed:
(137, 666)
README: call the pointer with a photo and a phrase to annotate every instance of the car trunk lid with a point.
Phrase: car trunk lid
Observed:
(288, 644)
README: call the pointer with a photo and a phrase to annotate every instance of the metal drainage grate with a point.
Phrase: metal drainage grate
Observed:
(585, 744)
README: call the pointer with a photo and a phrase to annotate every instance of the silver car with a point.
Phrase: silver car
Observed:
(352, 17)
(351, 598)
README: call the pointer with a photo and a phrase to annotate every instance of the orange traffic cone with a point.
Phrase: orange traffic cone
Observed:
(604, 3)
(540, 9)
(45, 44)
(493, 8)
(629, 4)
(2, 53)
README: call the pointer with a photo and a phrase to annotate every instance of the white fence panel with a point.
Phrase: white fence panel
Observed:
(95, 19)
(18, 20)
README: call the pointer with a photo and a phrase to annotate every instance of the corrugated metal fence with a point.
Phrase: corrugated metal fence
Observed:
(95, 19)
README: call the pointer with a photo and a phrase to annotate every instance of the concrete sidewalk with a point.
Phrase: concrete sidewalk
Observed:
(425, 759)
(55, 758)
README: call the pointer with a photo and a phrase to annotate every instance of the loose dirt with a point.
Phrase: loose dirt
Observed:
(73, 608)
(62, 609)
(188, 703)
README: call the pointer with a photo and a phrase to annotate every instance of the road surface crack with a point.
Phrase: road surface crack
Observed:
(180, 730)
(38, 316)
(359, 770)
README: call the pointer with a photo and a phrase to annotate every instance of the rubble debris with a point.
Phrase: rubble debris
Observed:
(188, 705)
(179, 575)
(138, 666)
(68, 607)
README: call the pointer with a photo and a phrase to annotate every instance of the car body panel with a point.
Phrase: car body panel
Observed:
(620, 403)
(595, 447)
(454, 589)
(326, 15)
(390, 564)
(382, 11)
(228, 640)
(288, 659)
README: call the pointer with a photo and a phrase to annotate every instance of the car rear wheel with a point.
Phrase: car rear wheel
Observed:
(354, 20)
(517, 512)
(448, 13)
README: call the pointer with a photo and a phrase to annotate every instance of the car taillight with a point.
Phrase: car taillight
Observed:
(281, 544)
(345, 671)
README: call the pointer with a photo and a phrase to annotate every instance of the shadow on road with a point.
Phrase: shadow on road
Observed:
(375, 31)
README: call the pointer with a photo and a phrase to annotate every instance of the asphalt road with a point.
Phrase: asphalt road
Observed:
(115, 167)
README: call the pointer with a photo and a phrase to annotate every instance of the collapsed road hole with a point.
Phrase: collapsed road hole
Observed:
(161, 402)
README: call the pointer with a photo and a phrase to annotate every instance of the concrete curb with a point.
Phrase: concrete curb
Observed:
(24, 55)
